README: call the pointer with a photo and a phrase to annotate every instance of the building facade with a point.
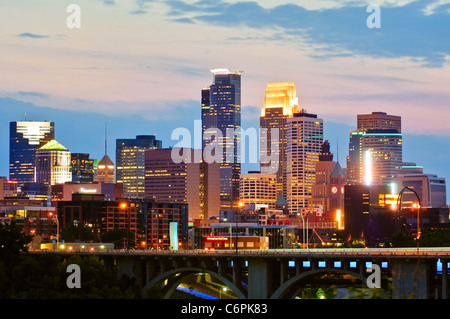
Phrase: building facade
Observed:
(130, 163)
(82, 168)
(328, 188)
(195, 184)
(105, 170)
(304, 137)
(375, 150)
(221, 124)
(258, 188)
(53, 164)
(25, 138)
(280, 103)
(430, 188)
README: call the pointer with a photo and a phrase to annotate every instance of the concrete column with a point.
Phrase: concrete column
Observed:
(283, 271)
(410, 279)
(444, 279)
(237, 269)
(259, 279)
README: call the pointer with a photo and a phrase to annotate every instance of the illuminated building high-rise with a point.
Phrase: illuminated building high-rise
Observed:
(280, 103)
(130, 163)
(82, 168)
(257, 188)
(195, 184)
(221, 114)
(375, 150)
(105, 170)
(304, 138)
(25, 138)
(53, 164)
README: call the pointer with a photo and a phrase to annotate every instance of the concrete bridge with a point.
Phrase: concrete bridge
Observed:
(276, 274)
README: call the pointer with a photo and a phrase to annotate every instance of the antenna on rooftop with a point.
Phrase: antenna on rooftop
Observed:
(106, 140)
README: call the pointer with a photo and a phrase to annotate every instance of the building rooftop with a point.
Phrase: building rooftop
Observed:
(53, 145)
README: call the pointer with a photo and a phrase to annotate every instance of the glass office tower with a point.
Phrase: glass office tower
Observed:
(375, 150)
(221, 114)
(280, 103)
(130, 163)
(25, 138)
(82, 168)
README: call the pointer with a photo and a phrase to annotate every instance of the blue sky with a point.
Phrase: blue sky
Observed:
(140, 65)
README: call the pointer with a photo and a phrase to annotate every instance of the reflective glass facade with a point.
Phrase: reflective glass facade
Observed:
(25, 138)
(130, 163)
(221, 110)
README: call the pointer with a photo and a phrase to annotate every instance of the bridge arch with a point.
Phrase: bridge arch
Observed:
(286, 286)
(176, 276)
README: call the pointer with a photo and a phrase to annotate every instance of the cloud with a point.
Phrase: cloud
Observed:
(32, 94)
(406, 31)
(32, 35)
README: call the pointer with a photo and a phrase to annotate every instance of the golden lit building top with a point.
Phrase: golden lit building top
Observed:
(281, 94)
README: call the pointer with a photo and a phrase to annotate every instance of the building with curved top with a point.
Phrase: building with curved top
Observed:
(53, 164)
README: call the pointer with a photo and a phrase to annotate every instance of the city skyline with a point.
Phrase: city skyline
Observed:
(174, 44)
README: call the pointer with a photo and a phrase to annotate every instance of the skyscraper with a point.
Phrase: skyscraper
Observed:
(375, 150)
(130, 163)
(195, 184)
(53, 164)
(221, 118)
(82, 168)
(304, 137)
(25, 138)
(280, 103)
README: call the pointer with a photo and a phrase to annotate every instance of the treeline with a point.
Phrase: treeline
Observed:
(44, 276)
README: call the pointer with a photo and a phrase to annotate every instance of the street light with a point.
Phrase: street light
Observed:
(50, 214)
(415, 205)
(241, 205)
(220, 291)
(303, 214)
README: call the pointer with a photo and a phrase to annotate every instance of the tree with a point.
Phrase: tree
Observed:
(401, 239)
(13, 241)
(74, 232)
(121, 238)
(435, 237)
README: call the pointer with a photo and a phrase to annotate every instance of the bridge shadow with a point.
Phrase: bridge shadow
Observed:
(322, 277)
(168, 281)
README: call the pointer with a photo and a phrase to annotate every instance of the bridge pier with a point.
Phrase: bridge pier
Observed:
(410, 279)
(259, 279)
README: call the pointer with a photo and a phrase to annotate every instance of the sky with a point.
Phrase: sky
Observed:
(140, 65)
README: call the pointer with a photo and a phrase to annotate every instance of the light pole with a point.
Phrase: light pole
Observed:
(220, 291)
(307, 226)
(419, 205)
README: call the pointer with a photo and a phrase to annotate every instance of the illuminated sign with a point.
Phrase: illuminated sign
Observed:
(83, 190)
(334, 189)
(216, 238)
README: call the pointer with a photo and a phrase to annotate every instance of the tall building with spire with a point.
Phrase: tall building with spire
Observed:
(328, 188)
(280, 103)
(105, 168)
(221, 115)
(25, 138)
